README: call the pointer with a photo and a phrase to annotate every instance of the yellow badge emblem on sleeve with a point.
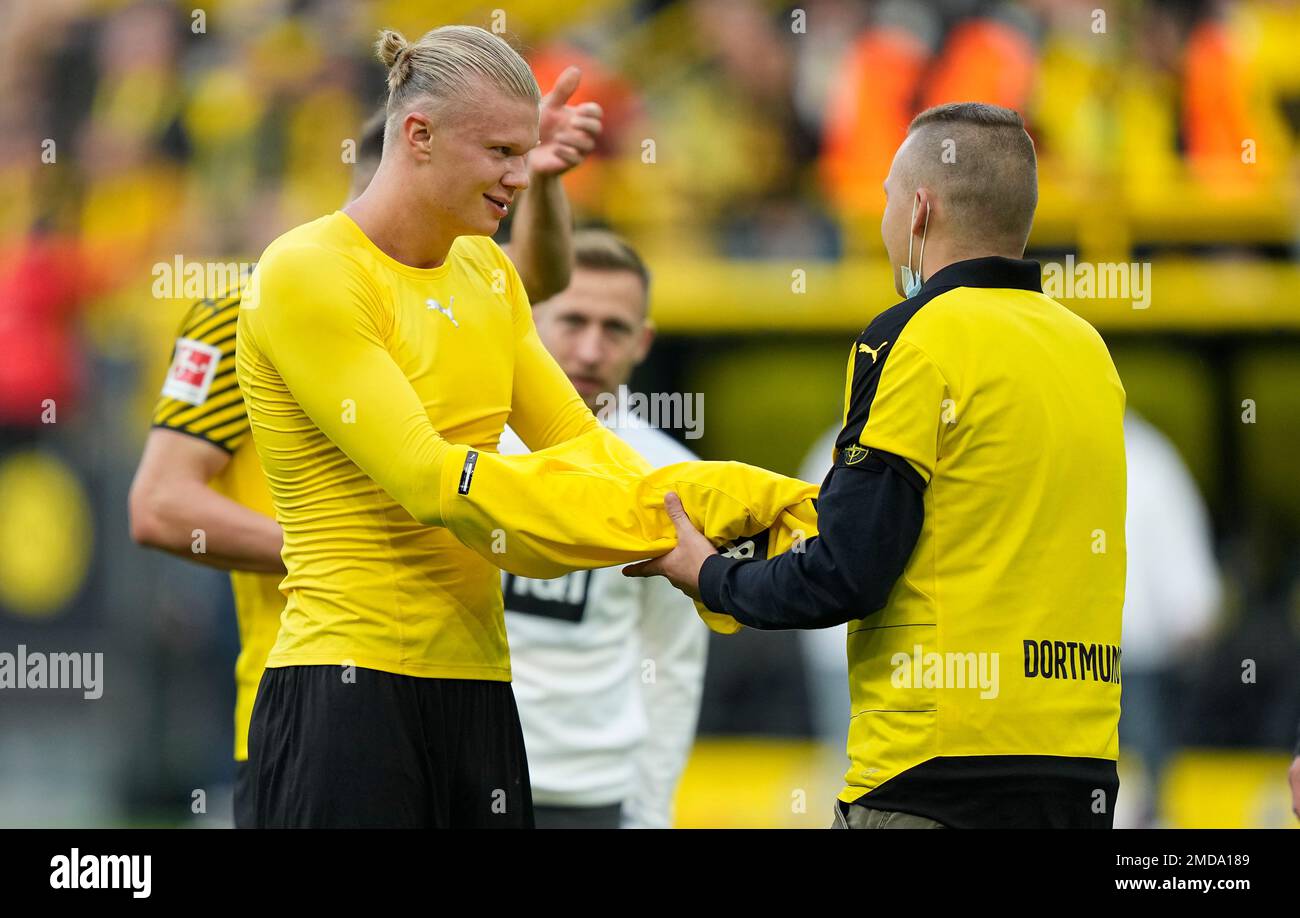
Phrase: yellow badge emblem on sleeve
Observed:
(854, 454)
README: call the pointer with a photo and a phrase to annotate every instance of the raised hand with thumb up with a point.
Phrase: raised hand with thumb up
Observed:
(567, 133)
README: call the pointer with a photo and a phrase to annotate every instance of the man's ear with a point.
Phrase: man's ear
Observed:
(417, 129)
(924, 204)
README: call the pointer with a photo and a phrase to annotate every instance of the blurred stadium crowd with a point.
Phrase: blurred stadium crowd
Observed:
(132, 133)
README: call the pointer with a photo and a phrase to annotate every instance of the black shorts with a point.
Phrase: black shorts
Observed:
(377, 749)
(245, 818)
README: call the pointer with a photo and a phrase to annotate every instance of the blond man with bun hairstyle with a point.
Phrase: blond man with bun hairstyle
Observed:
(371, 342)
(453, 96)
(199, 468)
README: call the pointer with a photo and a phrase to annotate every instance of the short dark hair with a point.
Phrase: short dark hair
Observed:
(991, 177)
(601, 250)
(980, 113)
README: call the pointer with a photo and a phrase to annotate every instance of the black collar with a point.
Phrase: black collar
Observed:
(992, 271)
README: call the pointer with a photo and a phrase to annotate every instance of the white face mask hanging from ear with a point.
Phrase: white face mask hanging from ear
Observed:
(912, 282)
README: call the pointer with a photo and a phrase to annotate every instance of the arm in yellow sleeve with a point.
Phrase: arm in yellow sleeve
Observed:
(576, 505)
(318, 319)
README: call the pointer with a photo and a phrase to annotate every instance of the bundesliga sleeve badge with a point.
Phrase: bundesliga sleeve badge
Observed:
(191, 372)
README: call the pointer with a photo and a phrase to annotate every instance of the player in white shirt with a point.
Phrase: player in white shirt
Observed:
(608, 670)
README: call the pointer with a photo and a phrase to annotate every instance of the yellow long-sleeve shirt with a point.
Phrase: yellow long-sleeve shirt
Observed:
(369, 385)
(358, 373)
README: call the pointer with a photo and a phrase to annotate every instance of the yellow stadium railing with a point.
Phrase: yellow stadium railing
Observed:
(706, 295)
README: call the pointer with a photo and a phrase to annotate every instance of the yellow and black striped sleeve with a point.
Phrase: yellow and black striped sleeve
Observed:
(200, 395)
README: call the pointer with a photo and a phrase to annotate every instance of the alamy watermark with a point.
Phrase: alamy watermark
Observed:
(920, 669)
(662, 410)
(38, 670)
(179, 279)
(75, 870)
(1107, 280)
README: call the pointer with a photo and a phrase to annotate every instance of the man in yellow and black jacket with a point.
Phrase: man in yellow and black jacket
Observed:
(971, 529)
